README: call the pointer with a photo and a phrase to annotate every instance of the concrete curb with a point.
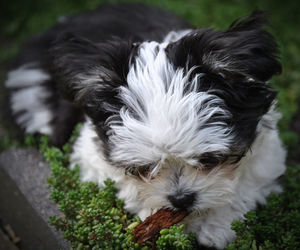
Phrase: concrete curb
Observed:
(24, 199)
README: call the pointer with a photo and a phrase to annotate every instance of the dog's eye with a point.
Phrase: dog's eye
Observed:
(144, 171)
(141, 171)
(208, 163)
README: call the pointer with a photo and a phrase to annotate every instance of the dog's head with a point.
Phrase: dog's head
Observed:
(178, 116)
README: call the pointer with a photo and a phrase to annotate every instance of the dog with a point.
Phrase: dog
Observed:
(178, 117)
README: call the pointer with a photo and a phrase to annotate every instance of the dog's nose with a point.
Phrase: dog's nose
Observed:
(182, 200)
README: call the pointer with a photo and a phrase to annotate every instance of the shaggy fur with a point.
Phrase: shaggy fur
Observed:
(179, 117)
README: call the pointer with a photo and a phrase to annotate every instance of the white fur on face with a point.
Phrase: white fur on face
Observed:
(164, 115)
(28, 99)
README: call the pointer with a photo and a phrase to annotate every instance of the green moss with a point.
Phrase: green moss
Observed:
(175, 238)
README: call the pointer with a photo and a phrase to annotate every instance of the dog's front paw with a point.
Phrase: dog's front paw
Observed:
(215, 236)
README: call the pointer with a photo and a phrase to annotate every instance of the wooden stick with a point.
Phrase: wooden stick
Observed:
(152, 225)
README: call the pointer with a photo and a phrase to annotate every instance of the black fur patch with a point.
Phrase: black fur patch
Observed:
(90, 75)
(245, 48)
(235, 63)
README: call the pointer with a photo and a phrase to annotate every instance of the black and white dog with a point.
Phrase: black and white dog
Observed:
(179, 117)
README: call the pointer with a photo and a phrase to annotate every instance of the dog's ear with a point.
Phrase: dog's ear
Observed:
(244, 48)
(89, 74)
(236, 63)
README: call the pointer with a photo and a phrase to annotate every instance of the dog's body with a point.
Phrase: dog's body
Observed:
(178, 117)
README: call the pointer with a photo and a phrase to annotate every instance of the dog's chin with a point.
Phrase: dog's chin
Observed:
(194, 214)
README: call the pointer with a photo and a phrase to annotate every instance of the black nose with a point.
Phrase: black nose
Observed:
(182, 200)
